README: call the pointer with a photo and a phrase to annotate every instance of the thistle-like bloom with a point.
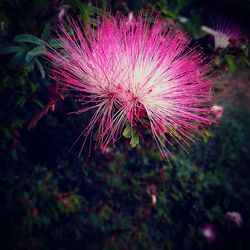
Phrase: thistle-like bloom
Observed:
(235, 217)
(128, 71)
(226, 34)
(209, 232)
(216, 112)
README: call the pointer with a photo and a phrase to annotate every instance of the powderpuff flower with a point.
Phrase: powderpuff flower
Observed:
(235, 217)
(131, 72)
(216, 112)
(225, 34)
(62, 12)
(209, 232)
(60, 8)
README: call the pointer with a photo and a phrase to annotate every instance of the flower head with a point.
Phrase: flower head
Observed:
(226, 34)
(129, 71)
(235, 217)
(216, 112)
(209, 232)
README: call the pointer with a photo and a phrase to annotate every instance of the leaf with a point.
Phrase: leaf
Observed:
(17, 123)
(84, 10)
(31, 66)
(14, 154)
(173, 133)
(127, 131)
(40, 67)
(245, 60)
(28, 38)
(33, 87)
(21, 101)
(54, 43)
(7, 133)
(46, 31)
(102, 4)
(11, 49)
(93, 220)
(230, 63)
(100, 10)
(33, 53)
(6, 81)
(135, 139)
(39, 104)
(176, 198)
(169, 13)
(16, 59)
(48, 176)
(54, 214)
(69, 29)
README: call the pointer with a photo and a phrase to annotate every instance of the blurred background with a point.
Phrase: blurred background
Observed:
(127, 198)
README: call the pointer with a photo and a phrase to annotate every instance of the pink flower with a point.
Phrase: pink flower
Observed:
(209, 232)
(60, 8)
(151, 189)
(235, 217)
(62, 11)
(127, 71)
(217, 112)
(226, 34)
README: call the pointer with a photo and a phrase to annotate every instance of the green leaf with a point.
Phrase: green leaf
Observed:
(7, 80)
(245, 60)
(34, 87)
(33, 53)
(168, 13)
(21, 101)
(31, 66)
(230, 63)
(11, 49)
(40, 67)
(54, 213)
(16, 59)
(14, 154)
(84, 10)
(39, 104)
(135, 139)
(7, 133)
(173, 133)
(54, 43)
(94, 220)
(17, 123)
(127, 131)
(46, 31)
(28, 38)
